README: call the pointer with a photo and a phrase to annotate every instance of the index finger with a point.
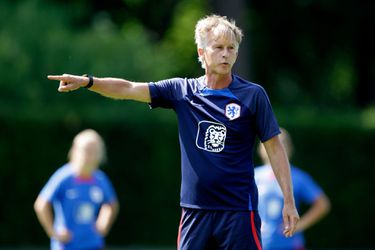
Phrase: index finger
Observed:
(55, 77)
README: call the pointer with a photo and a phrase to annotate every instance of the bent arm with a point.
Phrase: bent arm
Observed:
(44, 213)
(280, 166)
(116, 88)
(317, 211)
(106, 217)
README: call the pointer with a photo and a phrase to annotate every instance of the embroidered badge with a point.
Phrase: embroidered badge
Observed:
(232, 111)
(96, 194)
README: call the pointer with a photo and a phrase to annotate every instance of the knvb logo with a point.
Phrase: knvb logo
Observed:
(232, 111)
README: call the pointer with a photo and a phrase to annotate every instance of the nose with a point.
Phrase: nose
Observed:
(225, 52)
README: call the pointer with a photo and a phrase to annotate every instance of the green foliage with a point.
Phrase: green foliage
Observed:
(314, 53)
(310, 67)
(180, 38)
(32, 48)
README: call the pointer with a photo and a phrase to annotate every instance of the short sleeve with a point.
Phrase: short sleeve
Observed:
(51, 189)
(266, 122)
(164, 93)
(108, 189)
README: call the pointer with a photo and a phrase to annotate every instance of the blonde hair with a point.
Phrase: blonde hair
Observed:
(221, 26)
(88, 136)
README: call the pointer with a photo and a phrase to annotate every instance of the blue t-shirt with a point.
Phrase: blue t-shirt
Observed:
(271, 204)
(217, 131)
(76, 204)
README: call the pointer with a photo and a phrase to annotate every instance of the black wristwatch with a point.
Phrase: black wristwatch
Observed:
(91, 81)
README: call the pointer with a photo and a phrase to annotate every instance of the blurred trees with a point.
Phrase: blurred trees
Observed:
(315, 52)
(307, 53)
(315, 59)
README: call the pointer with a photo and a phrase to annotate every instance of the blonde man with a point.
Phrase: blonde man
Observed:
(219, 117)
(78, 204)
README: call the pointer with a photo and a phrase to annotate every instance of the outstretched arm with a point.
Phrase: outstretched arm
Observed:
(317, 211)
(280, 165)
(106, 217)
(110, 87)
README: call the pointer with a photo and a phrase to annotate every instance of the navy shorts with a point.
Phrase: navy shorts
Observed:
(210, 229)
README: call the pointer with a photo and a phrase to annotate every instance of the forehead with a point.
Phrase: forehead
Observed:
(222, 35)
(86, 142)
(222, 40)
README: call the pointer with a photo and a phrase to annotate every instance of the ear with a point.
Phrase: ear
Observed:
(200, 51)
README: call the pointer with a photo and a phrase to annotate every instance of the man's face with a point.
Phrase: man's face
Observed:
(220, 54)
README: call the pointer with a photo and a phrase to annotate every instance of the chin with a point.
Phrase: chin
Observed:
(225, 72)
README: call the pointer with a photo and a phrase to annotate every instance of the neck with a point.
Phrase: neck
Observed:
(84, 175)
(218, 81)
(82, 171)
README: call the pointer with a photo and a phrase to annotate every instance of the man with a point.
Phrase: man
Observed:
(83, 199)
(219, 117)
(306, 191)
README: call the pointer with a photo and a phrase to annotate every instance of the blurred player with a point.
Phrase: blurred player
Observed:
(78, 204)
(271, 202)
(219, 117)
